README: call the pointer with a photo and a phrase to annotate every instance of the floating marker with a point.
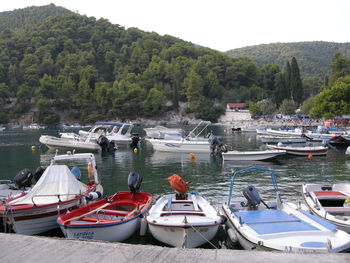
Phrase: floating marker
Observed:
(309, 156)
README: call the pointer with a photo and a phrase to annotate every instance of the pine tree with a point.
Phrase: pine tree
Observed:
(296, 86)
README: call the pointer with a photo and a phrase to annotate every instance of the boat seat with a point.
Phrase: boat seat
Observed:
(113, 212)
(331, 195)
(184, 213)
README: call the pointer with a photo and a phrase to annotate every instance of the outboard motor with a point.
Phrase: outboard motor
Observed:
(252, 196)
(134, 182)
(105, 144)
(135, 139)
(23, 178)
(38, 173)
(216, 146)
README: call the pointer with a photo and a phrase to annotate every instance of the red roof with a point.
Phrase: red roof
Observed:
(236, 105)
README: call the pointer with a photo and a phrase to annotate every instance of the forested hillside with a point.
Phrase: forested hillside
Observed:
(25, 17)
(60, 62)
(314, 58)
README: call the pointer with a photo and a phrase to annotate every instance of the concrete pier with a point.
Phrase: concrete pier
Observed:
(18, 248)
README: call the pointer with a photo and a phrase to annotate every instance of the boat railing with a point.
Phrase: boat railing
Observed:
(6, 182)
(56, 195)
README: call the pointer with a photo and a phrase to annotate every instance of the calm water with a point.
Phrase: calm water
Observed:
(208, 176)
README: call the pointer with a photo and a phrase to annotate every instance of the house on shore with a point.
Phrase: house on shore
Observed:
(236, 112)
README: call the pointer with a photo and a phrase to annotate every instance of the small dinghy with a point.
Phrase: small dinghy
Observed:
(252, 155)
(301, 151)
(114, 218)
(183, 219)
(331, 203)
(276, 225)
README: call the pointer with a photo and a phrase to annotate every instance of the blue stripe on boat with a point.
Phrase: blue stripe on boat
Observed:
(313, 244)
(322, 222)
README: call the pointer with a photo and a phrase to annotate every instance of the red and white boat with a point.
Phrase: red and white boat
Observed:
(56, 192)
(114, 218)
(301, 151)
(329, 202)
(183, 220)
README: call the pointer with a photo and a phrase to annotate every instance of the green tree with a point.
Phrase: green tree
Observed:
(296, 86)
(288, 107)
(194, 86)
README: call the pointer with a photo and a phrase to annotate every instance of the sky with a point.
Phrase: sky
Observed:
(219, 24)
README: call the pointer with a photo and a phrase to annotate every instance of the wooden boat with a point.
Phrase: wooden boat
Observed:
(80, 145)
(276, 225)
(282, 139)
(114, 218)
(252, 155)
(56, 192)
(331, 203)
(183, 220)
(301, 151)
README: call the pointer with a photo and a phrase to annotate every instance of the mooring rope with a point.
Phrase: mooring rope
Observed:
(203, 237)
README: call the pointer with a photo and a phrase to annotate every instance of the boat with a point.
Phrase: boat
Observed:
(252, 155)
(276, 225)
(159, 132)
(119, 133)
(282, 139)
(78, 144)
(192, 143)
(329, 202)
(183, 219)
(285, 132)
(114, 218)
(301, 151)
(33, 126)
(58, 190)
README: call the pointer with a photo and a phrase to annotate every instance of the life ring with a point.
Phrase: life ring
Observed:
(90, 170)
(178, 184)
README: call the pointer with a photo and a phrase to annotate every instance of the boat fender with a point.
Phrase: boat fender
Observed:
(76, 172)
(93, 196)
(223, 219)
(90, 170)
(232, 236)
(23, 178)
(143, 226)
(178, 184)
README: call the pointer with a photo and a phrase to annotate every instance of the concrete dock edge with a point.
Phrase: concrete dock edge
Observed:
(18, 248)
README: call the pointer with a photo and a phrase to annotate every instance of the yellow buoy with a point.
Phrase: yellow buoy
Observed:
(135, 150)
(192, 156)
(33, 148)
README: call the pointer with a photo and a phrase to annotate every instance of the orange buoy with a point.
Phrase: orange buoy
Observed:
(309, 156)
(192, 157)
(178, 184)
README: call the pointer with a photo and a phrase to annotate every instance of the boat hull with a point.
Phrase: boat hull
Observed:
(252, 155)
(113, 233)
(184, 146)
(64, 144)
(183, 236)
(302, 151)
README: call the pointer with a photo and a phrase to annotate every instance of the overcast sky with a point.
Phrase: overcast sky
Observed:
(219, 24)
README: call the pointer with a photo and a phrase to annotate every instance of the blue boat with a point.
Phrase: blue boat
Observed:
(277, 225)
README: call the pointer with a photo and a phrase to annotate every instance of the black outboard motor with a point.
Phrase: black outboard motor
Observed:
(216, 146)
(38, 173)
(135, 139)
(105, 144)
(252, 196)
(23, 178)
(134, 182)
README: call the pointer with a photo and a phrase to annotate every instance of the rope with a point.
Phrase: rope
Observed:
(203, 237)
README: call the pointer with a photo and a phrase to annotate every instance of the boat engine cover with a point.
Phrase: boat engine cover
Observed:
(23, 178)
(134, 182)
(252, 196)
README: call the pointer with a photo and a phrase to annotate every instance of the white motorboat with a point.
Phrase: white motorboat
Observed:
(79, 144)
(281, 139)
(57, 191)
(301, 151)
(252, 155)
(183, 220)
(289, 132)
(119, 133)
(329, 202)
(276, 225)
(191, 143)
(159, 132)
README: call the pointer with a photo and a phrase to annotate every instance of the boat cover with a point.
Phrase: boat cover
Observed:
(57, 183)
